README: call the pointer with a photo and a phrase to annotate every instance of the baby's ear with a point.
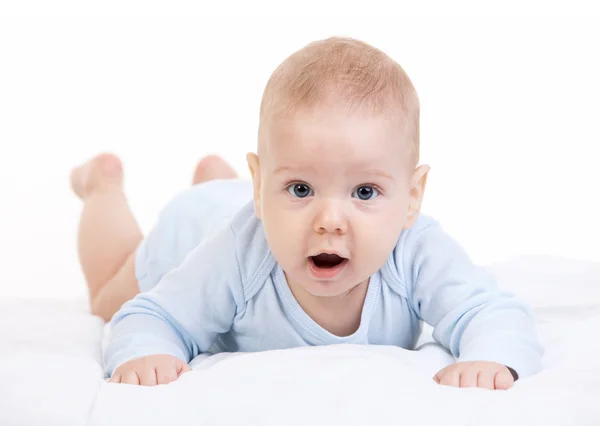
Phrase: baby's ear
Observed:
(254, 166)
(417, 191)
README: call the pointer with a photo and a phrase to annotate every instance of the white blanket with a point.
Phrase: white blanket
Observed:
(51, 374)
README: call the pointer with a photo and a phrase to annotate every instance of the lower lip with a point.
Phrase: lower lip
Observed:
(326, 273)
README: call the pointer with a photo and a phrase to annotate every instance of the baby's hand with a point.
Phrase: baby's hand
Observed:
(480, 374)
(150, 370)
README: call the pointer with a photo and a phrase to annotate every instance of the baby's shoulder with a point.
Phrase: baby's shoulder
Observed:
(424, 228)
(417, 238)
(254, 257)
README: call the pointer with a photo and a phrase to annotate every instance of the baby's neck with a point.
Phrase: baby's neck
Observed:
(338, 315)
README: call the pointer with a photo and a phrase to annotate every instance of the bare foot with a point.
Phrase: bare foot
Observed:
(213, 167)
(103, 170)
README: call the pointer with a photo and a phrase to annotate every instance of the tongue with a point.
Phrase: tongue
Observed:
(325, 260)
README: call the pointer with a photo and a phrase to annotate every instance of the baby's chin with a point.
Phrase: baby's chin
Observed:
(330, 289)
(327, 293)
(326, 284)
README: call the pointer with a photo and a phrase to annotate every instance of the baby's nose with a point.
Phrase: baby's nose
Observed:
(331, 218)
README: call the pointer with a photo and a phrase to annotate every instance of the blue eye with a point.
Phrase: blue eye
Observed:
(299, 190)
(365, 193)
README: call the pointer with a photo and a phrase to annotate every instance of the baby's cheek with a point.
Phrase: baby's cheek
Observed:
(375, 248)
(388, 231)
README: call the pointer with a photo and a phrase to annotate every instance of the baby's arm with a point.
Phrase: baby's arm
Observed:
(182, 316)
(470, 316)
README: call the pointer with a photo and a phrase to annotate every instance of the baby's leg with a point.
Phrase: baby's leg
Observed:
(108, 232)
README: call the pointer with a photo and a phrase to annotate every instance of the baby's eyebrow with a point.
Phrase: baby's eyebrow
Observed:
(377, 172)
(355, 171)
(292, 169)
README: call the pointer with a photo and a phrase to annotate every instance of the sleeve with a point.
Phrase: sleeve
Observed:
(185, 312)
(471, 317)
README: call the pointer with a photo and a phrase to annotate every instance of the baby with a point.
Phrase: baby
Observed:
(326, 245)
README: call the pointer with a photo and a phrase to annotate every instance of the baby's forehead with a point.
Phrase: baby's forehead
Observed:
(341, 144)
(330, 130)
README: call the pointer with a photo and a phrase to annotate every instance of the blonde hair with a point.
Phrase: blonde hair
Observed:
(351, 71)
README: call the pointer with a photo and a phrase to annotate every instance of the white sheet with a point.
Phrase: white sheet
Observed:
(50, 372)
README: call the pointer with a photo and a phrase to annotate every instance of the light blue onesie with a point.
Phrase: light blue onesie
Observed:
(210, 284)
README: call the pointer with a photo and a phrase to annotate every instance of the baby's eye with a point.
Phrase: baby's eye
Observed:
(365, 193)
(300, 190)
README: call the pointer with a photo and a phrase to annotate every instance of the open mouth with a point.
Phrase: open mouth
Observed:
(326, 266)
(327, 261)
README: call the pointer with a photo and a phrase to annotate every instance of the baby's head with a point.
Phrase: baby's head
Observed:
(336, 171)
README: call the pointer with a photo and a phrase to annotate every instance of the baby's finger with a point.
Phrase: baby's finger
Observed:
(468, 378)
(504, 379)
(438, 377)
(486, 379)
(116, 378)
(147, 377)
(450, 378)
(130, 378)
(166, 374)
(183, 368)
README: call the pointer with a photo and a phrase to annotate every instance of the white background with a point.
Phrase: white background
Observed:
(510, 112)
